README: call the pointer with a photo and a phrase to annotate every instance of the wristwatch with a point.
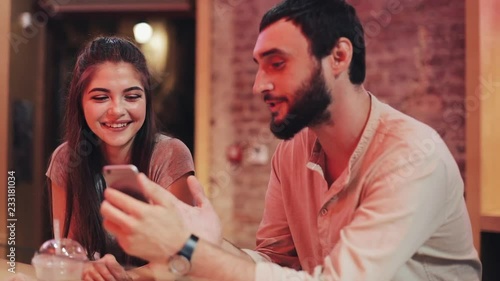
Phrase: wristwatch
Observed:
(180, 263)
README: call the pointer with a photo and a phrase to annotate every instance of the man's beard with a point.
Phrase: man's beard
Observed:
(309, 109)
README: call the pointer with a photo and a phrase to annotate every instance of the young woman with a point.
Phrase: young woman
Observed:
(109, 120)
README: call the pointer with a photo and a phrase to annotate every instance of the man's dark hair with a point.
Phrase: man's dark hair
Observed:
(323, 22)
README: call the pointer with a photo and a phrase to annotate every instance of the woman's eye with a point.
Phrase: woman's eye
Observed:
(99, 98)
(133, 97)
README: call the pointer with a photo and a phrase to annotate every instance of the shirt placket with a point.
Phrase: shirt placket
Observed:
(324, 221)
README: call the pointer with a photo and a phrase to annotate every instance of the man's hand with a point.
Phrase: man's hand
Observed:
(150, 231)
(158, 230)
(202, 220)
(105, 269)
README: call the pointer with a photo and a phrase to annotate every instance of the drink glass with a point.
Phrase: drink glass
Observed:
(59, 260)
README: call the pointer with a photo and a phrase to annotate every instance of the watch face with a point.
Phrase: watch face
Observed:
(179, 265)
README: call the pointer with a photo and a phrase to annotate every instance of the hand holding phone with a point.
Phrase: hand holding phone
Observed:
(124, 178)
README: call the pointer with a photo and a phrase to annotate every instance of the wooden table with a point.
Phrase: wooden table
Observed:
(160, 272)
(26, 269)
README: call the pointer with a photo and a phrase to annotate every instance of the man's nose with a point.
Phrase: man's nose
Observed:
(262, 84)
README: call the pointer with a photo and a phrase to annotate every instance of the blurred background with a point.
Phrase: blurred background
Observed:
(436, 60)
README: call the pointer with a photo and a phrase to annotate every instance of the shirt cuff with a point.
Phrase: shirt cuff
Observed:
(256, 256)
(265, 271)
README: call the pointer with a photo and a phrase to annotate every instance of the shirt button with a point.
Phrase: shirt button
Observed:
(324, 211)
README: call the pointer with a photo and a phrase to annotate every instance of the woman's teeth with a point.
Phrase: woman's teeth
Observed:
(120, 125)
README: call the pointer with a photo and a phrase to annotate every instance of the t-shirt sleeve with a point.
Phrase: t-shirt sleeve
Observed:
(171, 160)
(58, 168)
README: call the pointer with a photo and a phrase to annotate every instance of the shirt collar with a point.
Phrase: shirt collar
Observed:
(316, 158)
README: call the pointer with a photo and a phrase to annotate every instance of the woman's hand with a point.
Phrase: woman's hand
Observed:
(105, 269)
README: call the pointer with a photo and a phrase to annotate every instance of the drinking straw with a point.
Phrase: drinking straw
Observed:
(57, 236)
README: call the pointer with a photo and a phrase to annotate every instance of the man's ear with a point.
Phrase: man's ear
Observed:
(341, 56)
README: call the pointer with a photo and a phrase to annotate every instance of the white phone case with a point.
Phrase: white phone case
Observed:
(124, 178)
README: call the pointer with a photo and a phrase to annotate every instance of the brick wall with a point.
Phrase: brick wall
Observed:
(239, 118)
(415, 63)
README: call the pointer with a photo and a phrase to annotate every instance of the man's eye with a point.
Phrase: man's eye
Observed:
(278, 64)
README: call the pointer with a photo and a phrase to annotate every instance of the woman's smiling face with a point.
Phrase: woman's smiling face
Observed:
(114, 104)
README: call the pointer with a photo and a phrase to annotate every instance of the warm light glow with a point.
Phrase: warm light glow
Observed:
(25, 20)
(143, 32)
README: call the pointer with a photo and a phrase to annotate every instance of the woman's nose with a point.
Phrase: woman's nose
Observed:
(116, 108)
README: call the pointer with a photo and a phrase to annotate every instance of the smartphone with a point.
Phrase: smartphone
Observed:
(124, 178)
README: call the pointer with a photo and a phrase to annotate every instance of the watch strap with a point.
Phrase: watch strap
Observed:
(188, 248)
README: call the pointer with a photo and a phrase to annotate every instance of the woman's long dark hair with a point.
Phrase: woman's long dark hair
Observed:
(85, 184)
